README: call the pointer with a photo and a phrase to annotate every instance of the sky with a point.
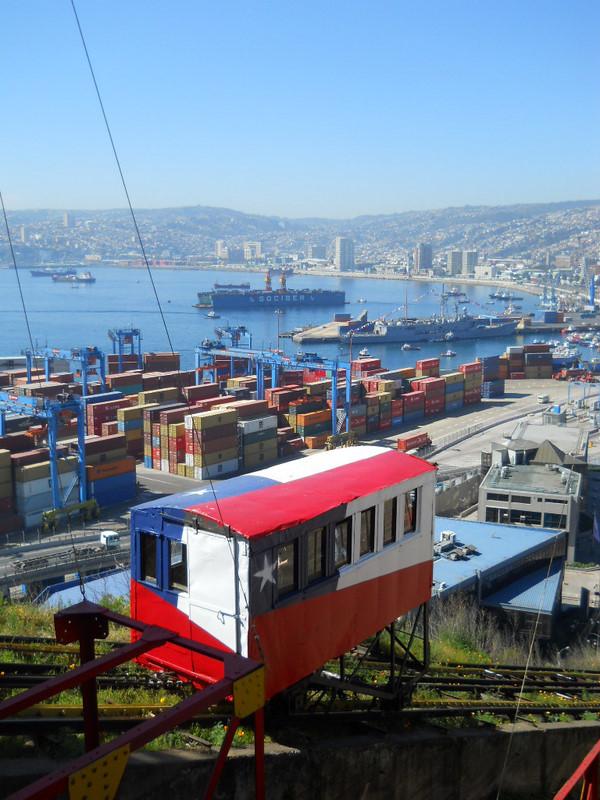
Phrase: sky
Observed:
(301, 107)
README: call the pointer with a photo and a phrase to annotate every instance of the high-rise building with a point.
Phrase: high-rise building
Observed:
(66, 220)
(22, 234)
(423, 257)
(469, 261)
(454, 262)
(344, 253)
(316, 251)
(221, 250)
(252, 250)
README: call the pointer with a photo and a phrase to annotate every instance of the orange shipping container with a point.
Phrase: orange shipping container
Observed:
(110, 468)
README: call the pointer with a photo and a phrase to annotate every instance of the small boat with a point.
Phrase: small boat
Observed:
(361, 300)
(213, 315)
(364, 353)
(448, 354)
(408, 346)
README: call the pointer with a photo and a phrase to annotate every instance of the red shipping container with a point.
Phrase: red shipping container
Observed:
(412, 442)
(201, 392)
(413, 400)
(473, 366)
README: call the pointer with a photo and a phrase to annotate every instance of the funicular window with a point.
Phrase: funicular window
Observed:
(367, 531)
(390, 520)
(148, 544)
(316, 554)
(410, 511)
(342, 543)
(287, 568)
(178, 577)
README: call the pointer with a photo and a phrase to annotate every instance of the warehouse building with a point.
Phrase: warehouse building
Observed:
(515, 571)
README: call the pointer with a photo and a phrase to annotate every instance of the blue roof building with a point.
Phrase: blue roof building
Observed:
(515, 570)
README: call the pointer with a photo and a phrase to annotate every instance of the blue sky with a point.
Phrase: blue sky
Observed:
(319, 107)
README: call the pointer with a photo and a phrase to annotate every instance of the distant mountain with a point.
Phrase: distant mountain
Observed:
(191, 231)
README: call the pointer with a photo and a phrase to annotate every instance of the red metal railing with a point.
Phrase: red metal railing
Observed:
(243, 678)
(584, 779)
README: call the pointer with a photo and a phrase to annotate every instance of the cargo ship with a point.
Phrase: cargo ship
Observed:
(231, 297)
(50, 272)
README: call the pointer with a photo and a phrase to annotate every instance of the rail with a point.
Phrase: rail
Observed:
(101, 768)
(64, 563)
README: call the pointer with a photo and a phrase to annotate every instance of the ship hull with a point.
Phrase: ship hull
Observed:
(400, 334)
(419, 332)
(260, 300)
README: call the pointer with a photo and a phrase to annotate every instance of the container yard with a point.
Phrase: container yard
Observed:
(229, 414)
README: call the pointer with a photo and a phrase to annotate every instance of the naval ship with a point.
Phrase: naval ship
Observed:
(223, 298)
(432, 329)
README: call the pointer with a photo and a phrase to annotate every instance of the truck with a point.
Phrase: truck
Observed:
(110, 539)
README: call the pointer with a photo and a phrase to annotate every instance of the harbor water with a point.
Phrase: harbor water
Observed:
(63, 316)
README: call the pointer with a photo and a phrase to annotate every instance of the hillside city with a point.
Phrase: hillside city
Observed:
(480, 241)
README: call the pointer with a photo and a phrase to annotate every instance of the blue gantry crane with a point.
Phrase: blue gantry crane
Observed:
(51, 412)
(262, 361)
(84, 362)
(126, 341)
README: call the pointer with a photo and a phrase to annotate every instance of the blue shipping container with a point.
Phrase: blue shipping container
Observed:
(89, 399)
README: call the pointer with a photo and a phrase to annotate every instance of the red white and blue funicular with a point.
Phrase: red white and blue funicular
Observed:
(292, 565)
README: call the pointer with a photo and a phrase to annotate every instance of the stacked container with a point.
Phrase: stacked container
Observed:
(434, 390)
(516, 362)
(413, 407)
(313, 423)
(538, 361)
(397, 411)
(112, 481)
(6, 483)
(372, 402)
(455, 391)
(490, 389)
(151, 433)
(99, 411)
(358, 419)
(211, 447)
(126, 382)
(161, 362)
(490, 368)
(129, 362)
(428, 368)
(472, 373)
(130, 422)
(385, 408)
(257, 440)
(33, 490)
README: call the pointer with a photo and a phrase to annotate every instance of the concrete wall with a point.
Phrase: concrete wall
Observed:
(414, 765)
(455, 499)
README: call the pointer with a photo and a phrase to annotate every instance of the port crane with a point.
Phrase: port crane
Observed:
(84, 362)
(126, 342)
(52, 412)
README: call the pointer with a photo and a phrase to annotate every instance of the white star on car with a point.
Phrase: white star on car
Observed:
(265, 574)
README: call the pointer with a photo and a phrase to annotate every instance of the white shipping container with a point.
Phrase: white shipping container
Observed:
(42, 485)
(38, 502)
(248, 426)
(216, 470)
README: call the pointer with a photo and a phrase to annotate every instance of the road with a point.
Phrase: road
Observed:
(520, 400)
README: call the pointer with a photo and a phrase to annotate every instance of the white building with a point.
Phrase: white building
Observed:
(344, 254)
